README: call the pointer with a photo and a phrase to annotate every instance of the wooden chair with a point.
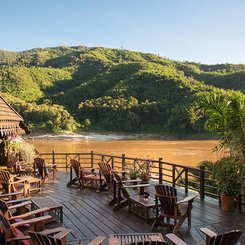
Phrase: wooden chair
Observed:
(43, 170)
(137, 239)
(17, 237)
(11, 183)
(105, 169)
(56, 236)
(10, 233)
(227, 238)
(23, 210)
(11, 196)
(170, 208)
(121, 188)
(76, 166)
(13, 161)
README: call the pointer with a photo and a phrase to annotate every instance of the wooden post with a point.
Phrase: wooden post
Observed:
(92, 159)
(173, 175)
(66, 163)
(112, 163)
(160, 171)
(53, 157)
(186, 181)
(123, 162)
(202, 182)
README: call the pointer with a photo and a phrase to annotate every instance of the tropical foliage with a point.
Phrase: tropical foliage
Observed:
(225, 114)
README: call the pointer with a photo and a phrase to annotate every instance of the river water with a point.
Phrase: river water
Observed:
(184, 152)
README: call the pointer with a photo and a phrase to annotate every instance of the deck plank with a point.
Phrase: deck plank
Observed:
(87, 214)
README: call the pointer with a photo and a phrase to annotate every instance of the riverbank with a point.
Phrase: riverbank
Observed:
(88, 136)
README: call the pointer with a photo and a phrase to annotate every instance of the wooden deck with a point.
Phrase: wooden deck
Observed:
(87, 214)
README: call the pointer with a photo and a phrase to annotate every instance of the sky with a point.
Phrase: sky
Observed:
(206, 31)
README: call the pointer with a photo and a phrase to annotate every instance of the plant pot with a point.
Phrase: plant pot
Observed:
(133, 176)
(144, 178)
(227, 202)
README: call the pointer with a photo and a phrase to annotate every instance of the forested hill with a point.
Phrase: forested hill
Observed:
(72, 88)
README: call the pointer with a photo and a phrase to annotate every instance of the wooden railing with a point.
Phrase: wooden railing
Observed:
(189, 178)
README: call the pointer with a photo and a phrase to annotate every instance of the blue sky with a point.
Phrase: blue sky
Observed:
(207, 31)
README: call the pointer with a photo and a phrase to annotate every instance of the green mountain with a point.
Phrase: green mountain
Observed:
(70, 88)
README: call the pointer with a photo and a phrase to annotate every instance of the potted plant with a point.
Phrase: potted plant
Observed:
(229, 173)
(141, 169)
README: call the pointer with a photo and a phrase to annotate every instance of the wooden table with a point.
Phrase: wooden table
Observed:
(92, 178)
(143, 208)
(55, 209)
(35, 183)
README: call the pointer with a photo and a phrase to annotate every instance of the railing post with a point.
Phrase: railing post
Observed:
(123, 162)
(202, 182)
(112, 162)
(92, 158)
(173, 175)
(186, 181)
(53, 157)
(66, 163)
(160, 170)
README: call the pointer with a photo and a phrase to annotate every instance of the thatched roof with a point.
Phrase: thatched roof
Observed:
(11, 122)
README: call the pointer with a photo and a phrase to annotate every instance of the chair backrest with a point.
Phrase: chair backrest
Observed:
(4, 209)
(6, 179)
(227, 238)
(12, 161)
(105, 169)
(40, 166)
(76, 165)
(59, 238)
(39, 239)
(168, 197)
(120, 184)
(5, 222)
(2, 236)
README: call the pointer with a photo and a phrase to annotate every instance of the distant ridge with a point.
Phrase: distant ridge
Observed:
(96, 88)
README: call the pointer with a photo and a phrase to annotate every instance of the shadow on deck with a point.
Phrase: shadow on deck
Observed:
(87, 214)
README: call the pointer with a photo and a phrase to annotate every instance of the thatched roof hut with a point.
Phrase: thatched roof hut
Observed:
(11, 122)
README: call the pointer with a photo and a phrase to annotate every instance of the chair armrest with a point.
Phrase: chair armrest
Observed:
(114, 241)
(208, 232)
(15, 239)
(19, 181)
(31, 213)
(175, 240)
(134, 186)
(98, 240)
(52, 231)
(32, 221)
(17, 200)
(11, 194)
(131, 181)
(51, 166)
(187, 199)
(62, 234)
(20, 205)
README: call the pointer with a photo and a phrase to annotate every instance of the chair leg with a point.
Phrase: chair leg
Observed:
(121, 205)
(179, 223)
(157, 222)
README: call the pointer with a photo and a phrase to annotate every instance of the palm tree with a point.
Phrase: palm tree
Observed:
(225, 114)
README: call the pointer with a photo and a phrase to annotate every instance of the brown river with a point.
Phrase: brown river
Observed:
(184, 152)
